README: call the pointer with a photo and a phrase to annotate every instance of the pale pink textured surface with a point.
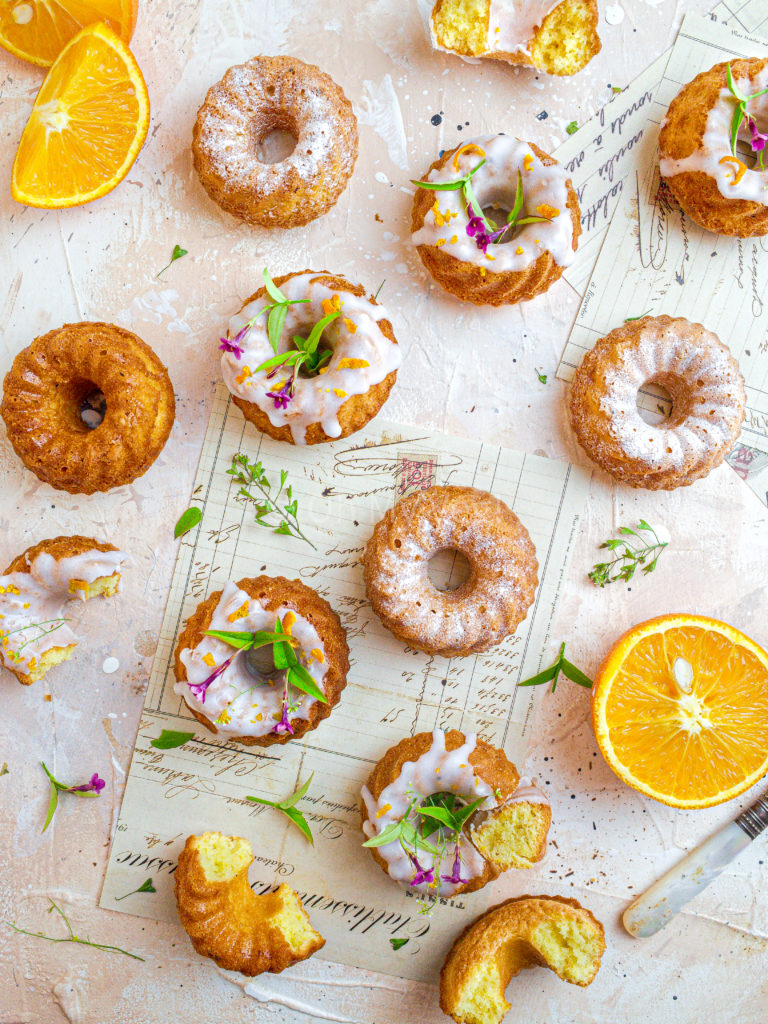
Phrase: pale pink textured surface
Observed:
(458, 376)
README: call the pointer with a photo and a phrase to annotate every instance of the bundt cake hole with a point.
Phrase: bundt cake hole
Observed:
(93, 408)
(655, 403)
(81, 404)
(275, 135)
(448, 570)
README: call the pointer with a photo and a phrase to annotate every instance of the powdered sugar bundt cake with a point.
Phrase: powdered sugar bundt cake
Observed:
(556, 36)
(34, 592)
(359, 359)
(252, 697)
(703, 380)
(227, 921)
(254, 100)
(504, 229)
(698, 157)
(504, 826)
(492, 602)
(46, 396)
(526, 931)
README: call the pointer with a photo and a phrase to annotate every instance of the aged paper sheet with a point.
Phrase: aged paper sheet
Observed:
(343, 488)
(654, 259)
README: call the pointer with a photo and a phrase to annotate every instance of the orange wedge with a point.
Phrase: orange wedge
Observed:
(38, 30)
(89, 121)
(680, 710)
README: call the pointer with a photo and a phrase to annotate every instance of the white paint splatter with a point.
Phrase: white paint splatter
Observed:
(69, 993)
(614, 14)
(110, 665)
(380, 109)
(155, 307)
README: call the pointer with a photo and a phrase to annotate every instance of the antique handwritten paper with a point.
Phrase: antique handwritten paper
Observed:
(343, 488)
(655, 259)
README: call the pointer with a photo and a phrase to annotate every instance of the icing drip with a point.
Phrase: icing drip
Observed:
(362, 356)
(436, 771)
(513, 23)
(714, 157)
(495, 184)
(40, 596)
(236, 701)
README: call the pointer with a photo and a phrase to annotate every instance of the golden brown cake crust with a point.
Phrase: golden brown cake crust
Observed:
(229, 923)
(254, 99)
(501, 933)
(489, 763)
(358, 409)
(708, 400)
(466, 280)
(273, 592)
(485, 609)
(682, 134)
(42, 397)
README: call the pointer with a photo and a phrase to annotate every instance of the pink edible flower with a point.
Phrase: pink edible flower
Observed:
(234, 346)
(421, 875)
(455, 876)
(284, 726)
(476, 229)
(199, 689)
(94, 786)
(282, 397)
(759, 139)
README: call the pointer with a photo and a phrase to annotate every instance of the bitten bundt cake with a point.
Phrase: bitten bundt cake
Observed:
(53, 389)
(227, 921)
(487, 607)
(710, 177)
(495, 221)
(526, 931)
(708, 401)
(254, 100)
(281, 689)
(556, 36)
(497, 820)
(34, 592)
(332, 391)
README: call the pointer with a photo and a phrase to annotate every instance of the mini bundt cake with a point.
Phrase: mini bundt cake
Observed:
(558, 37)
(526, 931)
(34, 591)
(46, 398)
(506, 829)
(486, 608)
(697, 153)
(250, 696)
(357, 360)
(227, 921)
(505, 227)
(708, 401)
(254, 100)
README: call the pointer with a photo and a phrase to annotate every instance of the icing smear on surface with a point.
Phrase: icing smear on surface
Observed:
(362, 356)
(239, 703)
(545, 194)
(33, 603)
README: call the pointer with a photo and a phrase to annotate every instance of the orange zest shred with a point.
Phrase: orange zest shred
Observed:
(470, 147)
(289, 620)
(350, 325)
(739, 169)
(244, 373)
(209, 660)
(383, 810)
(349, 363)
(332, 305)
(527, 162)
(241, 612)
(318, 655)
(339, 393)
(545, 210)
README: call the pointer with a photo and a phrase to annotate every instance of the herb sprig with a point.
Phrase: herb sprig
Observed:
(552, 674)
(71, 937)
(87, 789)
(276, 312)
(629, 554)
(144, 887)
(289, 809)
(177, 253)
(253, 476)
(740, 114)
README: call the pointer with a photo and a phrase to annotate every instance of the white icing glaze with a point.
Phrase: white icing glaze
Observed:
(436, 771)
(495, 184)
(527, 792)
(251, 708)
(512, 25)
(716, 147)
(316, 399)
(40, 595)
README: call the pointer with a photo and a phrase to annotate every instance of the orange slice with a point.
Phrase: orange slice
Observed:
(89, 121)
(680, 710)
(38, 30)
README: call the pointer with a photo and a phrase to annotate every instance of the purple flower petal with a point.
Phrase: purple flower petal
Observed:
(455, 876)
(199, 690)
(284, 726)
(421, 875)
(282, 397)
(231, 346)
(94, 786)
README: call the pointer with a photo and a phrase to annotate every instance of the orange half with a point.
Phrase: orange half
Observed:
(680, 710)
(38, 30)
(89, 121)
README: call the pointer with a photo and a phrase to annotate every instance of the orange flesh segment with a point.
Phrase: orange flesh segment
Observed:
(38, 30)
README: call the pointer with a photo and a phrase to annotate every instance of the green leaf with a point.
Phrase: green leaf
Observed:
(542, 376)
(177, 253)
(466, 812)
(275, 324)
(187, 521)
(282, 359)
(287, 808)
(546, 676)
(575, 674)
(630, 319)
(168, 739)
(299, 821)
(314, 335)
(272, 290)
(302, 792)
(389, 835)
(440, 186)
(302, 680)
(144, 887)
(240, 639)
(532, 220)
(53, 801)
(732, 85)
(441, 814)
(398, 943)
(738, 117)
(472, 203)
(572, 128)
(514, 213)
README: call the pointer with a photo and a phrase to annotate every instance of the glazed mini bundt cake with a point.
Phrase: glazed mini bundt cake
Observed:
(244, 695)
(506, 829)
(358, 359)
(227, 921)
(526, 931)
(698, 155)
(708, 402)
(47, 396)
(485, 609)
(495, 221)
(253, 100)
(34, 592)
(558, 37)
